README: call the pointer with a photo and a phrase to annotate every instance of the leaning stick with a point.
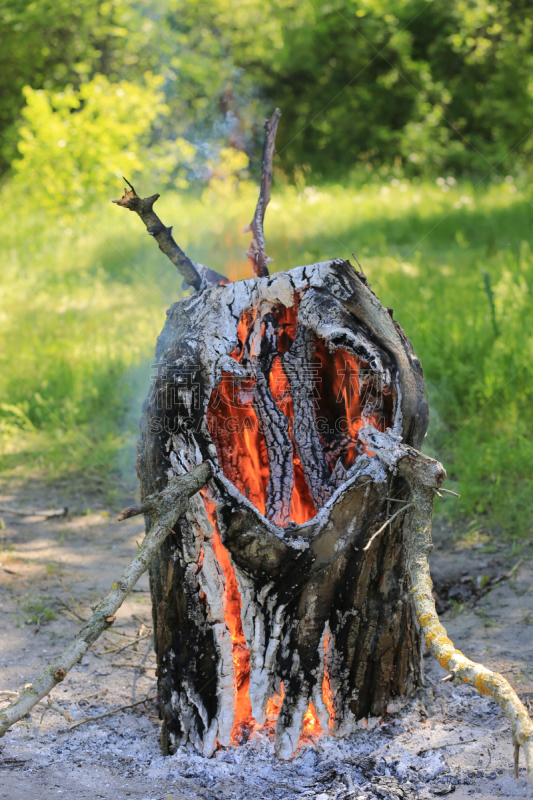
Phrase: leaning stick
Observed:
(163, 236)
(256, 253)
(166, 507)
(424, 474)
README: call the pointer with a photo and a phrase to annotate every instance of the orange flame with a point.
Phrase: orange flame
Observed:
(241, 449)
(340, 400)
(240, 443)
(312, 727)
(244, 722)
(327, 691)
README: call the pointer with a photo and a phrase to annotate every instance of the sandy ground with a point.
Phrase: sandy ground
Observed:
(447, 740)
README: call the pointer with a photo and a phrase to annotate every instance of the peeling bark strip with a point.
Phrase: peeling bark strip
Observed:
(257, 253)
(424, 476)
(167, 507)
(196, 275)
(268, 612)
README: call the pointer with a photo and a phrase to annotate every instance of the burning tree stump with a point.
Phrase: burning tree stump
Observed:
(267, 608)
(280, 604)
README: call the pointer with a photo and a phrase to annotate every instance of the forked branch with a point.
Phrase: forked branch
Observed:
(256, 253)
(167, 507)
(424, 475)
(163, 236)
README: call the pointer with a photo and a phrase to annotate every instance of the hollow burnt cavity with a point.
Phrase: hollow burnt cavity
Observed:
(286, 431)
(268, 613)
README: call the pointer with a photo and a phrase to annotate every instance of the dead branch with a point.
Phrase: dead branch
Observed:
(163, 236)
(424, 474)
(167, 507)
(17, 512)
(132, 511)
(256, 253)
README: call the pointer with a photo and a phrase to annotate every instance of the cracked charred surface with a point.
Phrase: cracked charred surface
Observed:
(323, 628)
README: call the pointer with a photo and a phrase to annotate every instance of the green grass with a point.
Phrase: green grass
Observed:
(83, 299)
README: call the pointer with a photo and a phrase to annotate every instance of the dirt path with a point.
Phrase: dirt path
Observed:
(448, 739)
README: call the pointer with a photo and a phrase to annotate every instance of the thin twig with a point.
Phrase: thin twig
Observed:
(167, 245)
(69, 610)
(361, 268)
(117, 650)
(49, 706)
(380, 530)
(395, 500)
(109, 713)
(139, 667)
(448, 744)
(94, 694)
(77, 605)
(256, 253)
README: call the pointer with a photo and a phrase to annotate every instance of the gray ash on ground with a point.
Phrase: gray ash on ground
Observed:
(448, 740)
(400, 757)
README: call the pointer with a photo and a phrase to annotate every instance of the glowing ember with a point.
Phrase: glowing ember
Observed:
(312, 727)
(272, 711)
(345, 405)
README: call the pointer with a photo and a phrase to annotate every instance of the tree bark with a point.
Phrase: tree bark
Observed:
(268, 610)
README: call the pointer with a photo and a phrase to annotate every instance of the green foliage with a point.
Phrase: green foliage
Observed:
(411, 86)
(84, 304)
(408, 84)
(76, 144)
(52, 44)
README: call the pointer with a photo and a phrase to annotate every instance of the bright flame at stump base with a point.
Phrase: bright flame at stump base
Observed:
(244, 724)
(312, 727)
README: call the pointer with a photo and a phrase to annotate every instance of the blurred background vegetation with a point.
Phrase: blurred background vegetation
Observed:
(405, 137)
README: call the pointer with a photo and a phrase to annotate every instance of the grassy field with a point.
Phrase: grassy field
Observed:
(84, 297)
